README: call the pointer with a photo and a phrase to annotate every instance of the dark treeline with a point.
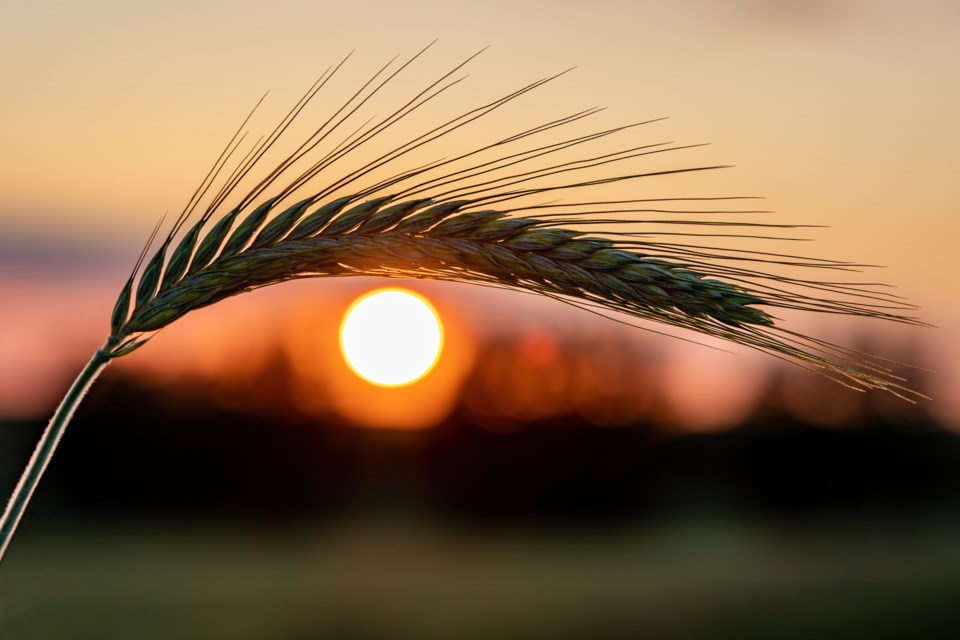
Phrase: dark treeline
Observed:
(138, 448)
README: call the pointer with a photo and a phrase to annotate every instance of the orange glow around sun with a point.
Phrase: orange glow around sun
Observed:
(326, 383)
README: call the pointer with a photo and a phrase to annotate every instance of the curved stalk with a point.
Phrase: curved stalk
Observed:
(45, 448)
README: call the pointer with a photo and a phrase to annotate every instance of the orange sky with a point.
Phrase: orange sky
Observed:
(840, 113)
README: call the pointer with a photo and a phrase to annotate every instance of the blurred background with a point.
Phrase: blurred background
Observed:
(557, 475)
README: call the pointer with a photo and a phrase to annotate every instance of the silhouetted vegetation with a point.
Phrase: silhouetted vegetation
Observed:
(187, 454)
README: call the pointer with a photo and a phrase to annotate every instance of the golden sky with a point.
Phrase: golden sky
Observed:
(841, 113)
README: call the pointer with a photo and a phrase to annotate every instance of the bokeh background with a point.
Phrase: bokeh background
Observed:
(558, 475)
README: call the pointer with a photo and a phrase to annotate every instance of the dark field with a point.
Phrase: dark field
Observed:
(395, 579)
(197, 522)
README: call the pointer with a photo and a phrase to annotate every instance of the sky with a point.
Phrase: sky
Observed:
(839, 113)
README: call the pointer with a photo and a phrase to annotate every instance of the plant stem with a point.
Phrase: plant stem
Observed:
(45, 448)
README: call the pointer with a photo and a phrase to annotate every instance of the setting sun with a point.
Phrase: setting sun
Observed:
(391, 337)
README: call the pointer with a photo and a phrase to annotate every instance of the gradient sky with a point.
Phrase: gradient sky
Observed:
(841, 113)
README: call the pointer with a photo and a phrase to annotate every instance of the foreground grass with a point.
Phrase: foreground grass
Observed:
(397, 579)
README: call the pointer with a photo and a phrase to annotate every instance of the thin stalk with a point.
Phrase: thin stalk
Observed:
(45, 448)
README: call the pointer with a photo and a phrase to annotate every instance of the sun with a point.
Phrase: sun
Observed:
(391, 337)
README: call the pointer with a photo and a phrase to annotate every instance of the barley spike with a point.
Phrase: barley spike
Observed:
(474, 218)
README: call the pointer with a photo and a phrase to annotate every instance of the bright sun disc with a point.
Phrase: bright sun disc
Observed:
(391, 337)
